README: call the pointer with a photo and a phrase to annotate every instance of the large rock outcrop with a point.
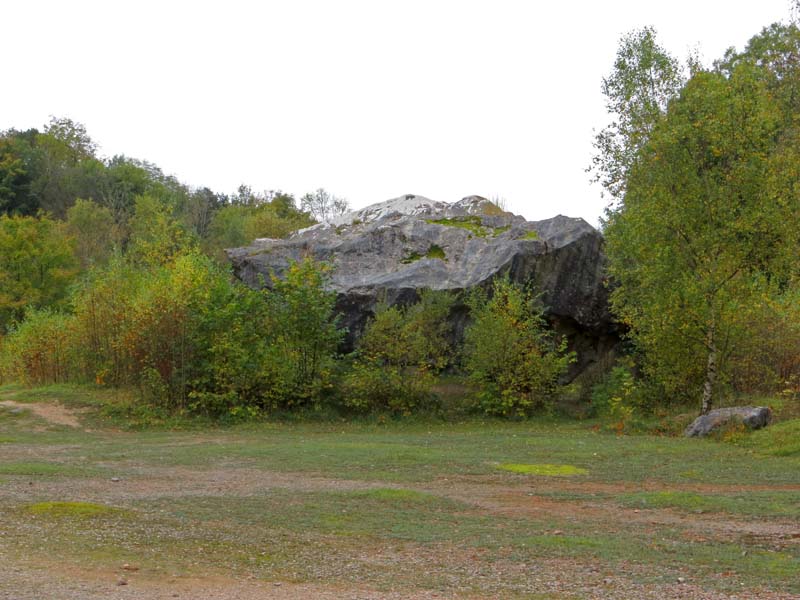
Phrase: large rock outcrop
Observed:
(393, 249)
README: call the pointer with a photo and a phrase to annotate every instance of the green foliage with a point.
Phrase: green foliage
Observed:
(238, 224)
(191, 340)
(157, 334)
(706, 231)
(617, 397)
(227, 229)
(303, 336)
(196, 210)
(123, 180)
(187, 336)
(37, 266)
(103, 303)
(226, 375)
(95, 233)
(18, 157)
(53, 169)
(39, 350)
(50, 170)
(66, 167)
(156, 236)
(766, 356)
(267, 222)
(509, 353)
(398, 355)
(644, 79)
(775, 52)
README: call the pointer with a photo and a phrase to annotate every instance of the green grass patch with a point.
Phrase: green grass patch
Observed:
(99, 406)
(531, 235)
(776, 503)
(543, 469)
(340, 532)
(419, 450)
(397, 495)
(472, 223)
(70, 509)
(781, 439)
(35, 468)
(411, 258)
(386, 513)
(436, 251)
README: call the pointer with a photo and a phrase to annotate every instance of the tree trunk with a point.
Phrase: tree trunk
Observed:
(711, 371)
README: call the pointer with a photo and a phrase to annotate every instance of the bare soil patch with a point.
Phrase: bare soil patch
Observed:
(349, 561)
(55, 414)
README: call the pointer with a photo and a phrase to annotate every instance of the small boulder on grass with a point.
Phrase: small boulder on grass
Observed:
(752, 417)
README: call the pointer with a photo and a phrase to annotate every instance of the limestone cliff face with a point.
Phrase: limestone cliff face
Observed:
(392, 249)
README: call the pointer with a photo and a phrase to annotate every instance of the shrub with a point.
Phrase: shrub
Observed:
(226, 374)
(195, 339)
(302, 332)
(103, 303)
(509, 353)
(182, 332)
(766, 359)
(398, 355)
(40, 350)
(617, 396)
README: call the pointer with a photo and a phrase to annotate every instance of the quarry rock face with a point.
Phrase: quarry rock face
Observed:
(389, 251)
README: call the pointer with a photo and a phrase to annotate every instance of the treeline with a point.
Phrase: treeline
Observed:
(702, 167)
(57, 172)
(64, 210)
(112, 273)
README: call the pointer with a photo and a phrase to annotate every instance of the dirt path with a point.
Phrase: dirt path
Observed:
(55, 581)
(552, 579)
(134, 482)
(52, 413)
(130, 481)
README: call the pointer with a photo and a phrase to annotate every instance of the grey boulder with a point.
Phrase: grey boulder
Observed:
(391, 250)
(752, 417)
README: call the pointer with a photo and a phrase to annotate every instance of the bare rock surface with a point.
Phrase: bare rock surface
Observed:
(752, 417)
(390, 250)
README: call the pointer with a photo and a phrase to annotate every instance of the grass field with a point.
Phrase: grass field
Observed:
(538, 509)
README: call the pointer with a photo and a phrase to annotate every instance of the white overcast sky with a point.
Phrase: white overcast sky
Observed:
(368, 99)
